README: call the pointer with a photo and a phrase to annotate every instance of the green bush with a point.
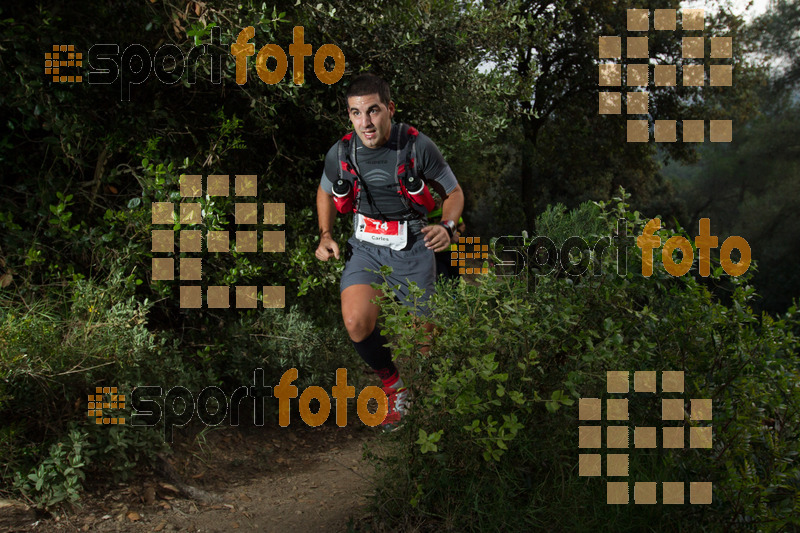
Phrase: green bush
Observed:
(59, 477)
(492, 440)
(56, 350)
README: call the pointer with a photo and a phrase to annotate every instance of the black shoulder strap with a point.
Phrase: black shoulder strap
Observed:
(406, 164)
(352, 160)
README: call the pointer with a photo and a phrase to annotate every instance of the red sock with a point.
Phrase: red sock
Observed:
(394, 382)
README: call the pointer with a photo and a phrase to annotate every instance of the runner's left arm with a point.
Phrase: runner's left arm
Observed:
(439, 175)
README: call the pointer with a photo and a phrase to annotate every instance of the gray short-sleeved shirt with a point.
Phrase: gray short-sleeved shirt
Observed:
(378, 168)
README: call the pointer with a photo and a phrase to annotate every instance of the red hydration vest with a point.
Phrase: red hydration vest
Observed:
(347, 190)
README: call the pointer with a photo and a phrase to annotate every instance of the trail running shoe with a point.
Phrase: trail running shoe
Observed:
(398, 407)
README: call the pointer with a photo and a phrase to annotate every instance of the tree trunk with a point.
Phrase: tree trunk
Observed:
(530, 131)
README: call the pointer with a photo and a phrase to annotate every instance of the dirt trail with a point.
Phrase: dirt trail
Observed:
(263, 479)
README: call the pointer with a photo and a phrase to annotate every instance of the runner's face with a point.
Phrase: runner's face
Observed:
(371, 119)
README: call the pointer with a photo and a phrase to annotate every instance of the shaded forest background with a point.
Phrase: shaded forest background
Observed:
(508, 91)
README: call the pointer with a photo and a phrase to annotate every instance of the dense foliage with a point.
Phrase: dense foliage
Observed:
(508, 90)
(723, 187)
(492, 443)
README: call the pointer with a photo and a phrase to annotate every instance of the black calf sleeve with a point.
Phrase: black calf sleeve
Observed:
(375, 354)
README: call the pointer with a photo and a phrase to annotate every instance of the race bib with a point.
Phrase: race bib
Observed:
(393, 234)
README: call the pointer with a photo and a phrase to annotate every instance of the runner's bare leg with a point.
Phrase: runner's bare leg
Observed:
(359, 313)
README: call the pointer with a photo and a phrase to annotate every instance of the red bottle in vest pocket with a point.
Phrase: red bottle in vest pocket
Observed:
(344, 195)
(415, 190)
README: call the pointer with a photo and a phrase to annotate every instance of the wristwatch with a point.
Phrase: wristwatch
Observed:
(450, 226)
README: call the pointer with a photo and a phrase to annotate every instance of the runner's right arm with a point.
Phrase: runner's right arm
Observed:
(326, 213)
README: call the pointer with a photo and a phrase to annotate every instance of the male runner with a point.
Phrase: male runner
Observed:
(408, 246)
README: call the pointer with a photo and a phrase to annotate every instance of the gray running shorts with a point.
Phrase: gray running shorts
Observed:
(418, 264)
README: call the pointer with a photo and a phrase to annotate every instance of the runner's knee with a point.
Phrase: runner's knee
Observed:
(358, 312)
(358, 326)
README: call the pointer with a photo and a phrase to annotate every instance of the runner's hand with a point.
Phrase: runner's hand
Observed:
(327, 248)
(437, 237)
